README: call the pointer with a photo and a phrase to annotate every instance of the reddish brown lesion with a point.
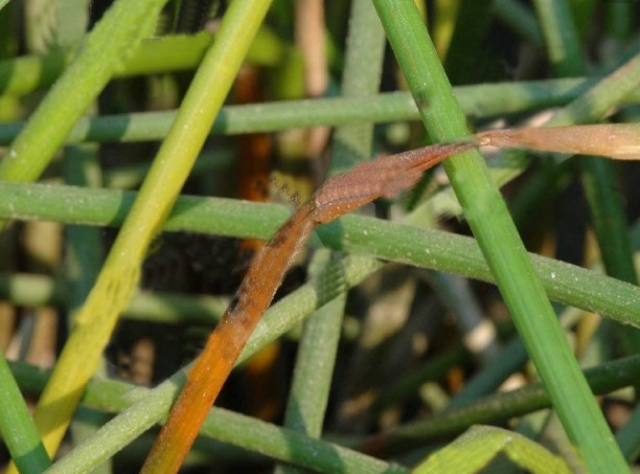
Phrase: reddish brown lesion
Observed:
(338, 196)
(264, 276)
(385, 176)
(224, 345)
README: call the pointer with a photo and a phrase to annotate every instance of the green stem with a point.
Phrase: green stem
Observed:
(432, 249)
(561, 37)
(598, 176)
(115, 37)
(83, 254)
(317, 351)
(19, 76)
(496, 409)
(610, 92)
(590, 106)
(619, 19)
(119, 275)
(18, 430)
(520, 19)
(488, 217)
(144, 408)
(315, 361)
(481, 101)
(119, 397)
(40, 290)
(361, 78)
(609, 221)
(465, 51)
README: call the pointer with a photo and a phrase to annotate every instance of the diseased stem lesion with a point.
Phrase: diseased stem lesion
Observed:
(616, 141)
(382, 177)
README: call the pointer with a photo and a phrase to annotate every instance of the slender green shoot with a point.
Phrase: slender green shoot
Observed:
(119, 276)
(487, 215)
(110, 43)
(476, 448)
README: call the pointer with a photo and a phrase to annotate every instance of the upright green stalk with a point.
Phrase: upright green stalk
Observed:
(317, 351)
(148, 407)
(83, 256)
(115, 36)
(16, 426)
(362, 71)
(619, 19)
(119, 276)
(520, 19)
(598, 176)
(316, 358)
(110, 43)
(465, 51)
(488, 217)
(83, 251)
(561, 37)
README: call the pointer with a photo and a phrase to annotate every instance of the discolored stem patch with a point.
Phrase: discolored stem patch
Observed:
(382, 177)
